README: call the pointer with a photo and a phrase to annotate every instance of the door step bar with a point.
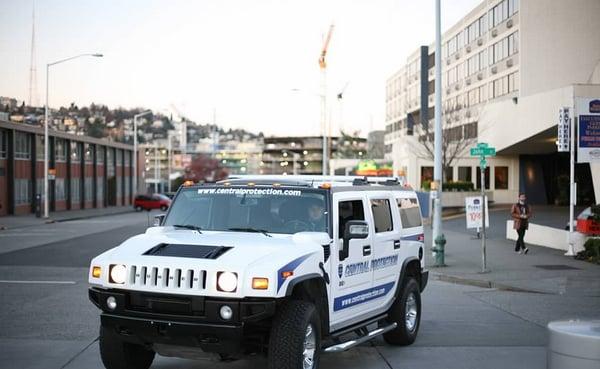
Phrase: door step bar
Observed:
(357, 341)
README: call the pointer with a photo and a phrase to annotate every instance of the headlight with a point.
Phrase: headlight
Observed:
(117, 273)
(226, 281)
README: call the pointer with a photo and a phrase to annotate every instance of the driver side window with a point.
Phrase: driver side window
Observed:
(349, 210)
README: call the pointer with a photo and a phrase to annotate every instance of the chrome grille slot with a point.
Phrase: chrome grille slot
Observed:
(158, 278)
(189, 279)
(143, 276)
(132, 270)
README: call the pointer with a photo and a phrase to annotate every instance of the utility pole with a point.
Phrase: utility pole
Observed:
(437, 168)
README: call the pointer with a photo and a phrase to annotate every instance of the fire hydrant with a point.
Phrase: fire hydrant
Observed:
(438, 251)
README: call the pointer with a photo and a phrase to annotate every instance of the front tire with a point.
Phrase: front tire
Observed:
(295, 341)
(163, 208)
(138, 208)
(117, 354)
(406, 313)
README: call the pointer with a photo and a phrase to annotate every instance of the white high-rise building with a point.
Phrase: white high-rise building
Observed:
(508, 66)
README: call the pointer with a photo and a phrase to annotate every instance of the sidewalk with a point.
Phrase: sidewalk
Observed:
(29, 220)
(542, 270)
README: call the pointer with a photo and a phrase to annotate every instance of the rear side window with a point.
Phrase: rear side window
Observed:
(382, 215)
(410, 214)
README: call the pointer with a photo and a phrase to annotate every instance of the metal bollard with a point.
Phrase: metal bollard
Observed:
(574, 344)
(438, 251)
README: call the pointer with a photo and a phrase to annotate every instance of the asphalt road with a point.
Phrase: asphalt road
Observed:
(46, 320)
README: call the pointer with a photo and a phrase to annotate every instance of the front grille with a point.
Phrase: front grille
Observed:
(166, 278)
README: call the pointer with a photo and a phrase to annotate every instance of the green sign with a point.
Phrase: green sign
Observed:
(483, 151)
(482, 145)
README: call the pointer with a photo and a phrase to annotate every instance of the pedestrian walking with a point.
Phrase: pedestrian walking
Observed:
(521, 212)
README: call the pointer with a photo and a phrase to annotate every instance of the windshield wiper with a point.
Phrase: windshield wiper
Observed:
(255, 230)
(188, 226)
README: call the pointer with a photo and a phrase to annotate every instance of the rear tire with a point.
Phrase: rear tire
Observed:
(406, 313)
(295, 341)
(117, 354)
(163, 208)
(138, 208)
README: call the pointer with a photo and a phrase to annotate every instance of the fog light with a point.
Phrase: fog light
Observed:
(111, 303)
(226, 312)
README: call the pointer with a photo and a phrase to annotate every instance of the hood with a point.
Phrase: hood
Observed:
(234, 249)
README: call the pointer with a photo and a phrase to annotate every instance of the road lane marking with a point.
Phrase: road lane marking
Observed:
(37, 282)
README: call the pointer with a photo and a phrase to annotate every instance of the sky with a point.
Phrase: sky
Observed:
(250, 64)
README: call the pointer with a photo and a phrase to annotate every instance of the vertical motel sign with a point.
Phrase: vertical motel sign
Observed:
(564, 123)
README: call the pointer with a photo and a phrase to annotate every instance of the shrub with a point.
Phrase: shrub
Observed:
(426, 185)
(458, 186)
(591, 252)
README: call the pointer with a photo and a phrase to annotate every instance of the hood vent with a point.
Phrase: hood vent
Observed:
(188, 251)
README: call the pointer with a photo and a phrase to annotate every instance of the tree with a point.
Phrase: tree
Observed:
(455, 141)
(203, 168)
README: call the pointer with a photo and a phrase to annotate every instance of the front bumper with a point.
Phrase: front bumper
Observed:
(148, 318)
(424, 279)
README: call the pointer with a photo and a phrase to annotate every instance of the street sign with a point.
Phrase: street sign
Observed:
(473, 212)
(564, 125)
(483, 151)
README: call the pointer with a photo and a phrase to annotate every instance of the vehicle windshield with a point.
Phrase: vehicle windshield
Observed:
(250, 209)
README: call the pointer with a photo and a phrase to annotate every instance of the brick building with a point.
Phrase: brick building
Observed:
(90, 172)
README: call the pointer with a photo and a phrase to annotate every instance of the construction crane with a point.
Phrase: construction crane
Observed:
(323, 67)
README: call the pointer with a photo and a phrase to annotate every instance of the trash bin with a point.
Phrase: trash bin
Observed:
(38, 205)
(574, 344)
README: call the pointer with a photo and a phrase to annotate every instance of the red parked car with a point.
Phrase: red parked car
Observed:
(149, 202)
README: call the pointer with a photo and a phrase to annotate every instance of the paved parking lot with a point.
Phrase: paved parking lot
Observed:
(48, 322)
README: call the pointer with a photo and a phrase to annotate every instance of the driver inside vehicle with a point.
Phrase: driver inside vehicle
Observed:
(316, 214)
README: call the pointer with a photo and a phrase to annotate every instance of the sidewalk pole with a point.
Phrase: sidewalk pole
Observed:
(437, 168)
(483, 259)
(572, 187)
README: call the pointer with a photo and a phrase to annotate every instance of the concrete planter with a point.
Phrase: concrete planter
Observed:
(457, 199)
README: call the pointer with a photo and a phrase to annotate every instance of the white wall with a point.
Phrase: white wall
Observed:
(559, 43)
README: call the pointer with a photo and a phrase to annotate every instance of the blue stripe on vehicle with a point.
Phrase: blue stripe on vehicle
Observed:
(291, 266)
(346, 301)
(414, 237)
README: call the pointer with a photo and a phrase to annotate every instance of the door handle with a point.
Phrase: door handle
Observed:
(396, 244)
(366, 250)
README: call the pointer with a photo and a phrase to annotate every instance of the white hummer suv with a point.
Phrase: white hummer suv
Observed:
(285, 266)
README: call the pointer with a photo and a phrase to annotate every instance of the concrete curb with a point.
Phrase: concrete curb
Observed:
(80, 217)
(480, 283)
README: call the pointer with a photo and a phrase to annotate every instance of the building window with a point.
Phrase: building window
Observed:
(100, 190)
(60, 150)
(119, 157)
(501, 178)
(464, 174)
(22, 191)
(502, 12)
(382, 215)
(39, 147)
(127, 156)
(88, 189)
(3, 144)
(449, 174)
(88, 153)
(426, 175)
(22, 145)
(60, 190)
(99, 154)
(487, 178)
(75, 152)
(75, 190)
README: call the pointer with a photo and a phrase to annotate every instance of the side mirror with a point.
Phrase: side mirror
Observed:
(158, 220)
(353, 229)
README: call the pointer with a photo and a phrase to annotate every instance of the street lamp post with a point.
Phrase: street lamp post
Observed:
(135, 148)
(47, 123)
